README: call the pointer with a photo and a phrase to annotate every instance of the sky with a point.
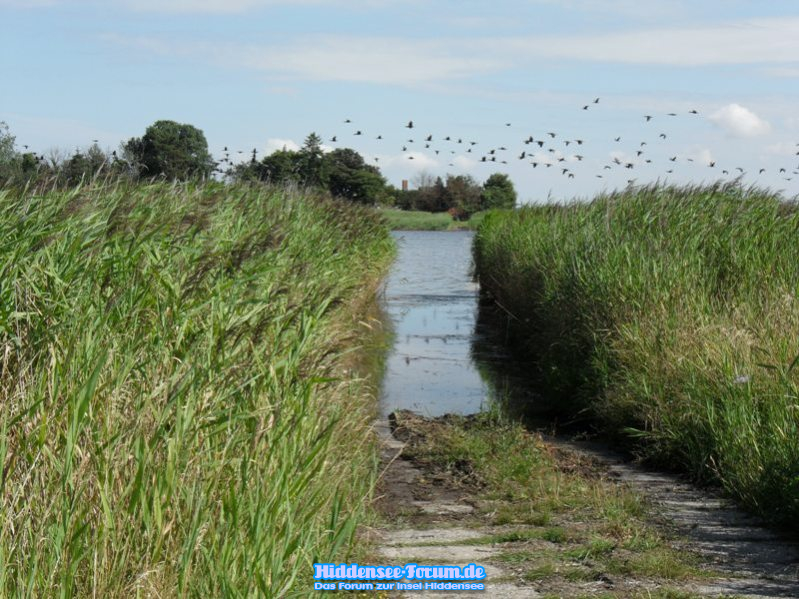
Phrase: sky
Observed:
(263, 74)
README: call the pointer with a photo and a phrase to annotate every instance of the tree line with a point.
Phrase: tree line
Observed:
(176, 151)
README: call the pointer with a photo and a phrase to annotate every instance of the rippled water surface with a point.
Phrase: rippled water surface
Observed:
(432, 302)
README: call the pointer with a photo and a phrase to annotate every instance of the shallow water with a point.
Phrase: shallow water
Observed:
(432, 302)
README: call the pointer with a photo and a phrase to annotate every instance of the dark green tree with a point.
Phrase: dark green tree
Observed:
(311, 165)
(463, 194)
(498, 192)
(350, 177)
(280, 167)
(431, 196)
(85, 166)
(174, 150)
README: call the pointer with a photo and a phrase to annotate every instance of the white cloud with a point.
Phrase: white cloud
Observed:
(784, 148)
(740, 121)
(364, 59)
(702, 157)
(768, 40)
(464, 163)
(783, 72)
(274, 144)
(416, 161)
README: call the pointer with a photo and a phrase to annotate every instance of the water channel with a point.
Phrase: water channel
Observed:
(443, 359)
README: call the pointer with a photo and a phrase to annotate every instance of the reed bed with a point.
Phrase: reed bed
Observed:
(179, 414)
(670, 315)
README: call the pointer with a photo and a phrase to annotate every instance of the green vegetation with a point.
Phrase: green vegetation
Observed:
(343, 172)
(183, 413)
(172, 150)
(460, 195)
(415, 220)
(671, 314)
(562, 520)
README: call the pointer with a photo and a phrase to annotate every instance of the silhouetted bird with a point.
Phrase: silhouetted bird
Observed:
(692, 112)
(662, 136)
(596, 101)
(552, 135)
(357, 133)
(617, 139)
(648, 117)
(409, 125)
(429, 138)
(333, 139)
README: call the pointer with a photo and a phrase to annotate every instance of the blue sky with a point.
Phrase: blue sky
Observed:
(265, 73)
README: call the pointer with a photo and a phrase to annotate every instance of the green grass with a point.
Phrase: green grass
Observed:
(671, 315)
(415, 220)
(593, 525)
(183, 413)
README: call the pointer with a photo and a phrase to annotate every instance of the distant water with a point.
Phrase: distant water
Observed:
(432, 301)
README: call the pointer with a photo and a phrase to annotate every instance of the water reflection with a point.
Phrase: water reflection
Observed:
(432, 301)
(449, 351)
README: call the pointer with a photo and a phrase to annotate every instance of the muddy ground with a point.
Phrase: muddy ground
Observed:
(446, 515)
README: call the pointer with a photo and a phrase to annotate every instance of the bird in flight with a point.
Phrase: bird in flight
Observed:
(409, 125)
(648, 117)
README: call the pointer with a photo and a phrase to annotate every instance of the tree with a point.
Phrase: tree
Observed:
(498, 192)
(174, 150)
(463, 194)
(350, 177)
(85, 166)
(279, 167)
(9, 157)
(311, 163)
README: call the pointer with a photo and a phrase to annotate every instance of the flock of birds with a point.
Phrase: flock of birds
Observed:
(543, 150)
(550, 150)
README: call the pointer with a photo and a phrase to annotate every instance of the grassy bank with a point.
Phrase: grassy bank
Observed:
(671, 311)
(415, 220)
(180, 416)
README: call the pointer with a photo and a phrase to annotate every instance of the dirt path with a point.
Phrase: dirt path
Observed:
(436, 518)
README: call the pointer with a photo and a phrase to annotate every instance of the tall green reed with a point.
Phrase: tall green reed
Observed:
(668, 313)
(177, 418)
